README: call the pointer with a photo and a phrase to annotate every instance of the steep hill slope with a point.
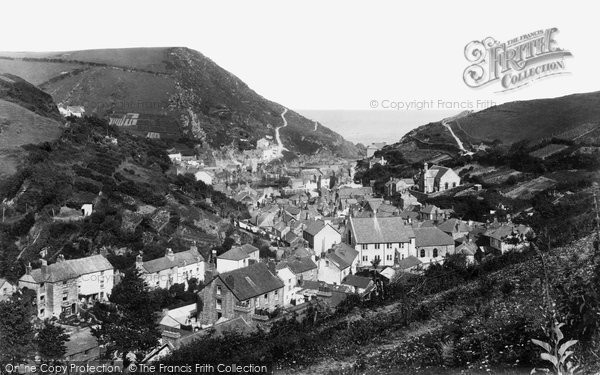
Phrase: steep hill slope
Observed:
(27, 116)
(504, 124)
(176, 87)
(138, 203)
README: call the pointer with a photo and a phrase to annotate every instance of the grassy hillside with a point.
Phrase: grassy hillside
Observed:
(27, 116)
(206, 101)
(451, 320)
(138, 203)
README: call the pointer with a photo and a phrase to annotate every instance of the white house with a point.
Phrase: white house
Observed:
(173, 268)
(66, 111)
(508, 236)
(62, 286)
(175, 157)
(204, 176)
(87, 209)
(337, 263)
(291, 288)
(263, 143)
(380, 239)
(321, 236)
(432, 244)
(237, 257)
(181, 316)
(6, 289)
(437, 178)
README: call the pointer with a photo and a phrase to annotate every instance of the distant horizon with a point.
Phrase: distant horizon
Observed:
(374, 52)
(367, 126)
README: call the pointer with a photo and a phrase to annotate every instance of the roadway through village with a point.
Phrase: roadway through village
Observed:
(280, 145)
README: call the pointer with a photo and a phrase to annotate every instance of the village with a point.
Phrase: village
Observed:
(329, 238)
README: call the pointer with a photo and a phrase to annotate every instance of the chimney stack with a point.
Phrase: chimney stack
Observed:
(139, 260)
(170, 254)
(44, 268)
(28, 269)
(60, 258)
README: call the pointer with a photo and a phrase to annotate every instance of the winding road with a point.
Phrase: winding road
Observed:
(446, 123)
(280, 145)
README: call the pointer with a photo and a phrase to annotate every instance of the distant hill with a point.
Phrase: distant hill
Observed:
(27, 116)
(504, 124)
(174, 87)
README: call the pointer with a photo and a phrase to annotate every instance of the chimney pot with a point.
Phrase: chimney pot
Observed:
(44, 267)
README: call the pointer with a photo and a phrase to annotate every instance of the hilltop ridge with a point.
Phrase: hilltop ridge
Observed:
(179, 91)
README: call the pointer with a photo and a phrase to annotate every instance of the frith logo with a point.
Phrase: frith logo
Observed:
(515, 63)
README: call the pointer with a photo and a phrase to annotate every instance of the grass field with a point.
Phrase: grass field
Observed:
(18, 127)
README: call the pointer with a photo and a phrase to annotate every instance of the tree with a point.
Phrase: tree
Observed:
(16, 330)
(375, 262)
(51, 341)
(127, 324)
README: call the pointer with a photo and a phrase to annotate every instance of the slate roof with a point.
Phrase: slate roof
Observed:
(235, 253)
(409, 262)
(298, 264)
(437, 171)
(314, 227)
(251, 281)
(432, 236)
(380, 230)
(467, 248)
(357, 281)
(506, 230)
(4, 281)
(179, 259)
(249, 249)
(458, 226)
(342, 255)
(355, 192)
(71, 269)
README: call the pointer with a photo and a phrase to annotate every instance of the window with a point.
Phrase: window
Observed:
(41, 285)
(218, 290)
(219, 304)
(446, 186)
(388, 245)
(364, 246)
(42, 311)
(276, 292)
(435, 253)
(256, 303)
(454, 184)
(327, 263)
(365, 258)
(422, 253)
(377, 246)
(266, 296)
(389, 257)
(65, 296)
(377, 258)
(64, 283)
(41, 298)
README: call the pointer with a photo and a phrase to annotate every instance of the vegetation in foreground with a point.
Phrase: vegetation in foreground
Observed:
(453, 317)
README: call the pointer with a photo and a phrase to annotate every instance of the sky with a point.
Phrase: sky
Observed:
(323, 54)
